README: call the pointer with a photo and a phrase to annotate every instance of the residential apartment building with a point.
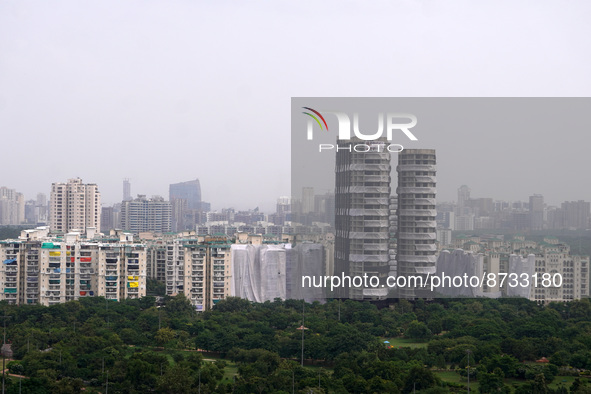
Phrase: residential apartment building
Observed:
(417, 226)
(12, 207)
(199, 267)
(74, 206)
(362, 211)
(39, 269)
(10, 255)
(559, 275)
(146, 214)
(156, 263)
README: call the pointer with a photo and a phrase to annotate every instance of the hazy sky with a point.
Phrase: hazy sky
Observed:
(169, 91)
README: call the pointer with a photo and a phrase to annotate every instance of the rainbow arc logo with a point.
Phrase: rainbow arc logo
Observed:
(315, 118)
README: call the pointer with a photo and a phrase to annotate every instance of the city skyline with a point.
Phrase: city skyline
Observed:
(273, 200)
(162, 103)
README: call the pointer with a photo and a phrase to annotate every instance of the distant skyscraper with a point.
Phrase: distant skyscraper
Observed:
(536, 211)
(283, 205)
(185, 198)
(12, 206)
(575, 214)
(307, 199)
(30, 214)
(41, 208)
(41, 199)
(74, 205)
(107, 222)
(126, 190)
(417, 228)
(189, 191)
(362, 193)
(463, 199)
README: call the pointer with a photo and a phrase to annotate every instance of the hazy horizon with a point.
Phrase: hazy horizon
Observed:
(168, 92)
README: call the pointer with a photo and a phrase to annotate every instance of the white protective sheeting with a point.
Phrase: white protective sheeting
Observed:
(519, 266)
(458, 264)
(264, 272)
(306, 259)
(259, 272)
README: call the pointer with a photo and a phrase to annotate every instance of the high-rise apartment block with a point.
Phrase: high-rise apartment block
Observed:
(200, 268)
(417, 227)
(146, 214)
(362, 210)
(156, 260)
(307, 199)
(107, 219)
(12, 206)
(74, 206)
(575, 214)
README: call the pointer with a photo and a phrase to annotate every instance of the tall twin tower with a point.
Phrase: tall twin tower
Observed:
(363, 220)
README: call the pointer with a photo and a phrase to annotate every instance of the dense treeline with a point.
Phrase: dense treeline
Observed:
(65, 347)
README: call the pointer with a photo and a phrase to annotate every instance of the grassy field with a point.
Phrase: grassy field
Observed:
(453, 377)
(405, 342)
(562, 380)
(450, 376)
(230, 371)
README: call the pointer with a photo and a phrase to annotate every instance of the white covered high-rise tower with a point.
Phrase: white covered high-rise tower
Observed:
(417, 228)
(362, 211)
